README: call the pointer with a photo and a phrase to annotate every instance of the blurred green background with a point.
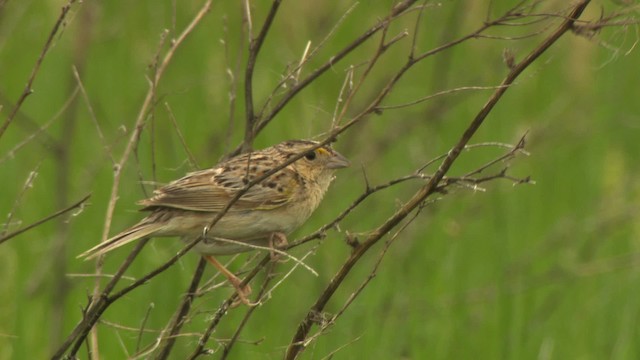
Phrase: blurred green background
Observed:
(544, 271)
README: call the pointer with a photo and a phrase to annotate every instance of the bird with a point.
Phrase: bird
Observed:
(263, 215)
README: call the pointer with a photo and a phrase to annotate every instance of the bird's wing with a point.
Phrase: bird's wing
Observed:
(212, 189)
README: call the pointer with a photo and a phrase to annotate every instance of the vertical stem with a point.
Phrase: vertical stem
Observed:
(63, 157)
(183, 311)
(254, 49)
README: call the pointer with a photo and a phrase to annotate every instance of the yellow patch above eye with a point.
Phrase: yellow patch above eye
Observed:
(322, 151)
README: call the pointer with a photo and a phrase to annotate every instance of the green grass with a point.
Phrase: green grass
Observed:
(544, 271)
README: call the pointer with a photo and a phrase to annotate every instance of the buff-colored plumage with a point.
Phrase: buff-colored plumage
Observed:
(277, 205)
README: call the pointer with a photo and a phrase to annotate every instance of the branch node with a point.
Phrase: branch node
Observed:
(352, 240)
(321, 318)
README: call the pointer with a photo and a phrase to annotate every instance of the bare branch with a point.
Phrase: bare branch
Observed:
(180, 316)
(95, 309)
(396, 12)
(192, 159)
(34, 72)
(296, 345)
(99, 304)
(254, 49)
(75, 205)
(85, 96)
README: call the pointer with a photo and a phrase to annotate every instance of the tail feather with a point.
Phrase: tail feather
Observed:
(139, 231)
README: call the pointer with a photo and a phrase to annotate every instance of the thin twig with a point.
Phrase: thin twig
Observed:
(143, 324)
(192, 159)
(34, 72)
(295, 72)
(223, 309)
(254, 49)
(92, 113)
(439, 93)
(133, 140)
(40, 131)
(270, 249)
(236, 335)
(180, 316)
(397, 11)
(372, 274)
(95, 309)
(28, 184)
(77, 204)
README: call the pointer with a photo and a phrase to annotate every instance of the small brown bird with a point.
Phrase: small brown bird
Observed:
(262, 216)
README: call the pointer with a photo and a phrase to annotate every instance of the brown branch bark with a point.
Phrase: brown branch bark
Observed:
(254, 49)
(183, 310)
(96, 307)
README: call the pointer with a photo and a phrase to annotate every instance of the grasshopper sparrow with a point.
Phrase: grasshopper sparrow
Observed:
(262, 216)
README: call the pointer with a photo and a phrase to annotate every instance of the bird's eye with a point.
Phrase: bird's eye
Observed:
(311, 155)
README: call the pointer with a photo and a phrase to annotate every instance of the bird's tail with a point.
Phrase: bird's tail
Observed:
(142, 229)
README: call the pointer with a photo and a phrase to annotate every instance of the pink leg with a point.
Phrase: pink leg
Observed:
(243, 292)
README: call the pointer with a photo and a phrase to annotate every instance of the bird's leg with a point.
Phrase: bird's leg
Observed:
(243, 292)
(277, 240)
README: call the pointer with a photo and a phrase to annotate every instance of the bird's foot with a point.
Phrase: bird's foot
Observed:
(242, 291)
(277, 241)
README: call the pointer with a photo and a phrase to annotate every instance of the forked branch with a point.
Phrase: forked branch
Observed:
(299, 339)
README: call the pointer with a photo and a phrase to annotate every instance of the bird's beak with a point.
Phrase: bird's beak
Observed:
(338, 161)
